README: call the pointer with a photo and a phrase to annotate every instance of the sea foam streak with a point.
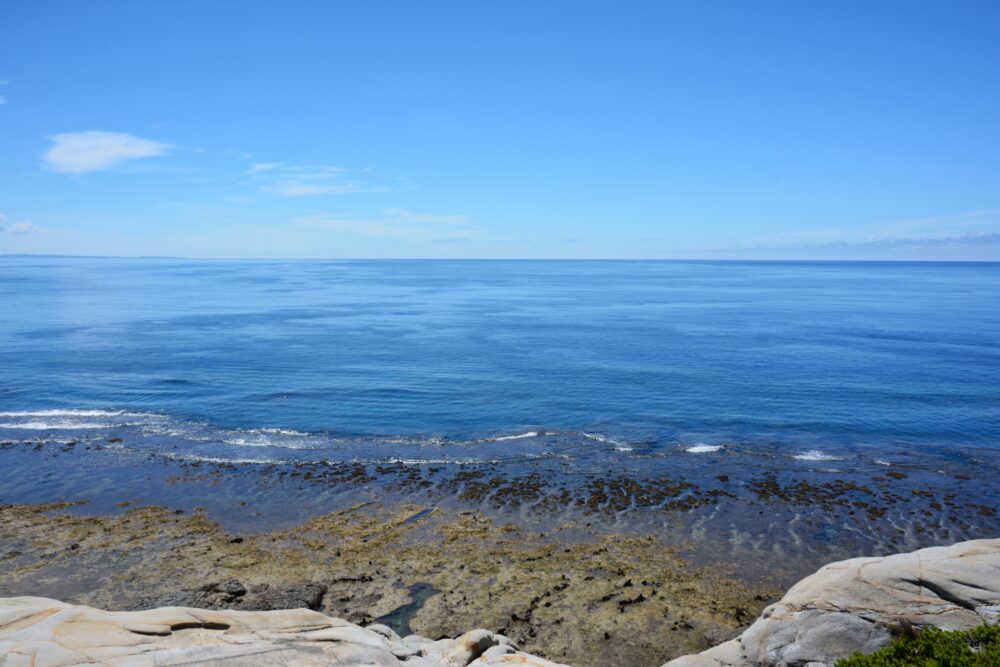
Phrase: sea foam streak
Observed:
(264, 441)
(620, 446)
(65, 413)
(816, 455)
(56, 425)
(702, 448)
(519, 436)
(72, 418)
(417, 462)
(215, 459)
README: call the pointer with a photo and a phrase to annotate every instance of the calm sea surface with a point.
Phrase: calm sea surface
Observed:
(568, 368)
(808, 354)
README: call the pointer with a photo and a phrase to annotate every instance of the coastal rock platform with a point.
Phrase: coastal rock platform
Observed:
(47, 633)
(852, 605)
(846, 606)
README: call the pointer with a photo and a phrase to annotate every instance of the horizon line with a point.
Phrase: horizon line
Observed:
(507, 259)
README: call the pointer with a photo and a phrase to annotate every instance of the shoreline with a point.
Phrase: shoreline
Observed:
(570, 595)
(620, 566)
(853, 607)
(717, 507)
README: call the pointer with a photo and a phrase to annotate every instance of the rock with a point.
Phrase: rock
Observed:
(226, 592)
(843, 607)
(307, 595)
(383, 630)
(48, 633)
(231, 594)
(471, 645)
(850, 606)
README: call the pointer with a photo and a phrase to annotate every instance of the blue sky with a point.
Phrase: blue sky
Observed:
(501, 129)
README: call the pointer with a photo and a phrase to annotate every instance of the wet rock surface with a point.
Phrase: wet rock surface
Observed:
(747, 502)
(231, 594)
(580, 563)
(852, 605)
(567, 594)
(844, 607)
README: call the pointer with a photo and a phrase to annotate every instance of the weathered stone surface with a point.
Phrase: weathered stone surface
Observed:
(47, 633)
(231, 594)
(575, 594)
(849, 606)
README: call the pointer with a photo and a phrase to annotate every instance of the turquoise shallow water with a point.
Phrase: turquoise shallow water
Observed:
(828, 407)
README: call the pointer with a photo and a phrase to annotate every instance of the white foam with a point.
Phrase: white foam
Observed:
(282, 431)
(816, 455)
(264, 441)
(620, 446)
(702, 448)
(52, 425)
(215, 459)
(243, 442)
(882, 462)
(417, 462)
(519, 436)
(64, 413)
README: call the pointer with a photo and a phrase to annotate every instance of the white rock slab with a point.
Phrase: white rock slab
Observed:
(39, 632)
(849, 606)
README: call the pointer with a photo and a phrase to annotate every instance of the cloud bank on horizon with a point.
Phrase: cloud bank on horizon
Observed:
(566, 130)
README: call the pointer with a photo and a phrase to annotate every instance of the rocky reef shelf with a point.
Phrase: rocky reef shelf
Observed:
(845, 607)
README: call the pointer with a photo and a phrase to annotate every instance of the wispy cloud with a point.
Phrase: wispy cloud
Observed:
(966, 229)
(83, 152)
(940, 223)
(26, 227)
(258, 167)
(402, 215)
(300, 181)
(389, 222)
(3, 100)
(959, 240)
(982, 245)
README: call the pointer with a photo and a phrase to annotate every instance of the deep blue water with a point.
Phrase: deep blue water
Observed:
(811, 409)
(805, 356)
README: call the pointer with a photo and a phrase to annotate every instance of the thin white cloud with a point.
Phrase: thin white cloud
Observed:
(982, 245)
(258, 167)
(402, 215)
(83, 152)
(342, 223)
(298, 188)
(284, 180)
(949, 221)
(989, 239)
(390, 222)
(969, 228)
(26, 227)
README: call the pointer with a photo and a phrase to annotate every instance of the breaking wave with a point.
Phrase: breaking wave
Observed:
(702, 448)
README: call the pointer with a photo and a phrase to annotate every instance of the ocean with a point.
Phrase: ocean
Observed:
(568, 373)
